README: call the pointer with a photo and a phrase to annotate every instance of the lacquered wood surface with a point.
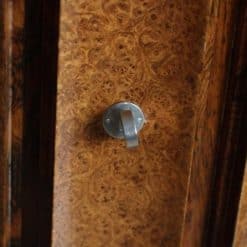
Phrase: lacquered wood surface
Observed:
(182, 55)
(11, 119)
(158, 55)
(96, 46)
(217, 133)
(28, 37)
(239, 143)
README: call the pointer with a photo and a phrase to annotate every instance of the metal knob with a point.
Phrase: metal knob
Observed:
(123, 121)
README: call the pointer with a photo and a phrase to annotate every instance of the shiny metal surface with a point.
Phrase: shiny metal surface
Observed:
(123, 121)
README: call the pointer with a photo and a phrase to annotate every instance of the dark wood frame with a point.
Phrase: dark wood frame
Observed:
(11, 119)
(30, 29)
(31, 71)
(230, 158)
(220, 146)
(40, 74)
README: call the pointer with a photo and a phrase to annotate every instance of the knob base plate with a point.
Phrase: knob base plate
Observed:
(112, 120)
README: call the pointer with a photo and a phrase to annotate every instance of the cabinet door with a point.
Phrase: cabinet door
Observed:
(64, 181)
(169, 58)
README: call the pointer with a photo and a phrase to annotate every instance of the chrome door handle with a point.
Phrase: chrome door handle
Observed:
(123, 121)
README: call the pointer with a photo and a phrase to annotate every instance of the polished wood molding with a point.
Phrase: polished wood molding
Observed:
(209, 182)
(28, 48)
(11, 119)
(231, 149)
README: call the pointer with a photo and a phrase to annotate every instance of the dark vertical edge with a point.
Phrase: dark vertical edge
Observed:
(31, 123)
(17, 14)
(232, 145)
(4, 102)
(41, 38)
(50, 25)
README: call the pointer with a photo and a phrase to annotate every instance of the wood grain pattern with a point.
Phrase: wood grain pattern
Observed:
(27, 113)
(240, 238)
(203, 189)
(150, 197)
(148, 52)
(11, 118)
(236, 150)
(231, 150)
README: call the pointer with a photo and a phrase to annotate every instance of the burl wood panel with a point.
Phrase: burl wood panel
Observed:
(11, 116)
(151, 53)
